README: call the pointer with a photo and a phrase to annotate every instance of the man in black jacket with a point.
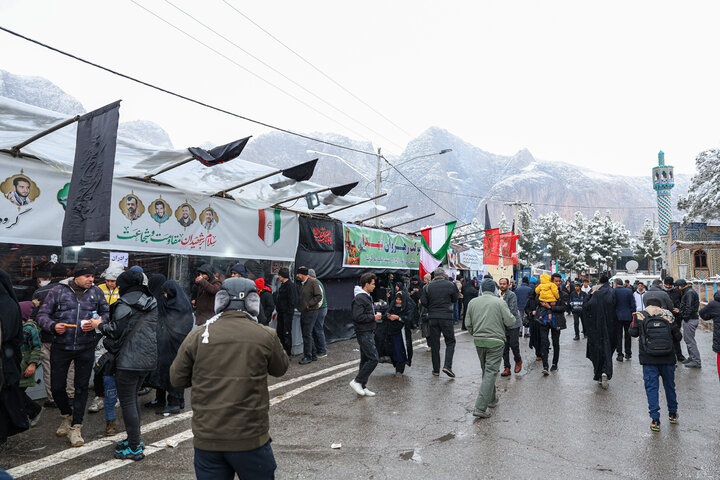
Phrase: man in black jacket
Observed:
(364, 318)
(688, 312)
(439, 297)
(675, 294)
(561, 306)
(285, 302)
(599, 315)
(711, 312)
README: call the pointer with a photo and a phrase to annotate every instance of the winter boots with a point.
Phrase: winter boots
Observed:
(75, 436)
(64, 427)
(110, 428)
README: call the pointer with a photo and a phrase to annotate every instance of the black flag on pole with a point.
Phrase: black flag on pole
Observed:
(339, 191)
(218, 155)
(298, 173)
(87, 216)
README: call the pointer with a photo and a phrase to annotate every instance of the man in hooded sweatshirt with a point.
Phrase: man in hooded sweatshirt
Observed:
(65, 311)
(486, 320)
(231, 403)
(364, 318)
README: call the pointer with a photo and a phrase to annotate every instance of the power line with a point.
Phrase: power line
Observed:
(247, 69)
(280, 73)
(178, 95)
(318, 70)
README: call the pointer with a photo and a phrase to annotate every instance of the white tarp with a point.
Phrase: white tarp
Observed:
(19, 122)
(144, 217)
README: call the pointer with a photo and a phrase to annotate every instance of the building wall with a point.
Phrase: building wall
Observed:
(684, 240)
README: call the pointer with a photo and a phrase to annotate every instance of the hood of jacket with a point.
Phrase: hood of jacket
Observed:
(544, 278)
(140, 301)
(716, 297)
(358, 289)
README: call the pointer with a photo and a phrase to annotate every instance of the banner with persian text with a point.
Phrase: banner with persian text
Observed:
(369, 247)
(144, 217)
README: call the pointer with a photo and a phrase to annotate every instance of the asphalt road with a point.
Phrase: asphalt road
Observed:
(420, 426)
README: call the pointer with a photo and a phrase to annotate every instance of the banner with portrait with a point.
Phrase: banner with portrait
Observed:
(370, 247)
(144, 217)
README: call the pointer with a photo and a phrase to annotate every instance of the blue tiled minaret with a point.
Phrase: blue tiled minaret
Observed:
(663, 182)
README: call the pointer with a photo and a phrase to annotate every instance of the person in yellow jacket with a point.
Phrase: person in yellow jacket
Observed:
(109, 288)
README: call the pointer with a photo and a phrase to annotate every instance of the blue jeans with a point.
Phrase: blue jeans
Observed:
(258, 464)
(110, 397)
(318, 333)
(368, 356)
(650, 375)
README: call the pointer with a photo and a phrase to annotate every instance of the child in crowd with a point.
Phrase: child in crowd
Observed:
(657, 330)
(547, 292)
(31, 352)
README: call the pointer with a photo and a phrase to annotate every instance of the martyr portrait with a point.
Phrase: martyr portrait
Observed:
(185, 215)
(209, 218)
(132, 207)
(19, 189)
(160, 209)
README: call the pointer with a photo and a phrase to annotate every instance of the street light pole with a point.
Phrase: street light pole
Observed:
(378, 180)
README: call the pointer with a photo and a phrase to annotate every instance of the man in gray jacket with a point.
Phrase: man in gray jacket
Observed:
(486, 320)
(512, 334)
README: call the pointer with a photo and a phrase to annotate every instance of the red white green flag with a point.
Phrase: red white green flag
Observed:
(435, 242)
(269, 225)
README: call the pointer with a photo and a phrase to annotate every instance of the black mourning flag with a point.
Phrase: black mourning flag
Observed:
(298, 173)
(218, 155)
(87, 216)
(343, 190)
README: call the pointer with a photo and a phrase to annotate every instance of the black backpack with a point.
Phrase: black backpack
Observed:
(656, 335)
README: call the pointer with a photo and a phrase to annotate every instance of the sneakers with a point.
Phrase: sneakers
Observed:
(628, 356)
(518, 366)
(576, 337)
(684, 360)
(129, 454)
(619, 357)
(545, 372)
(170, 410)
(120, 446)
(506, 372)
(655, 425)
(428, 349)
(322, 355)
(538, 359)
(481, 413)
(436, 374)
(96, 405)
(693, 364)
(154, 404)
(604, 381)
(144, 391)
(447, 371)
(75, 436)
(34, 421)
(553, 368)
(368, 393)
(64, 427)
(357, 388)
(493, 404)
(110, 428)
(49, 404)
(673, 418)
(305, 360)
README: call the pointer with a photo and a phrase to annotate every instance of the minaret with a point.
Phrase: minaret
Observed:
(663, 182)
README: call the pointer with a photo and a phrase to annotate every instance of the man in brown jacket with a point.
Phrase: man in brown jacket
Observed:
(227, 363)
(309, 302)
(207, 286)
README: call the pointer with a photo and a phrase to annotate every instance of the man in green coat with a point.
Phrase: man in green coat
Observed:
(486, 319)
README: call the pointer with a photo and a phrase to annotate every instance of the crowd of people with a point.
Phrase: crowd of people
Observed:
(138, 332)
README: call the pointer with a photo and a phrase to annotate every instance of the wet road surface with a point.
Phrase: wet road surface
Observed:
(421, 426)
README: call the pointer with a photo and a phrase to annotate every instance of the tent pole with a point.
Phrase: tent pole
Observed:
(380, 214)
(16, 149)
(458, 226)
(222, 193)
(411, 221)
(355, 204)
(179, 164)
(301, 196)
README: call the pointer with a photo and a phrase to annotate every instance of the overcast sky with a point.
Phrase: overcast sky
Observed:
(605, 85)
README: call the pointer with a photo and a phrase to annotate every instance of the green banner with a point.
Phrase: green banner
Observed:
(372, 248)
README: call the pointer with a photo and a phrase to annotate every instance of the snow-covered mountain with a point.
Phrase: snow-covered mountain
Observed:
(460, 181)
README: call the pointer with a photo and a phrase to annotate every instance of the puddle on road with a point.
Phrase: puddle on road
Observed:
(445, 438)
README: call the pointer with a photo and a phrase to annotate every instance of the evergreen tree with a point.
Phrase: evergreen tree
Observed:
(648, 245)
(528, 245)
(553, 232)
(503, 225)
(578, 258)
(703, 198)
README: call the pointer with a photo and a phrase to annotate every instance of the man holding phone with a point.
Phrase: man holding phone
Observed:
(364, 319)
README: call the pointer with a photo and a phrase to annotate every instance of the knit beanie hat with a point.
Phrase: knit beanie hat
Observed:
(84, 268)
(113, 271)
(488, 285)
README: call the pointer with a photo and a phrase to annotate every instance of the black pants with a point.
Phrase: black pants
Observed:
(623, 327)
(307, 323)
(284, 330)
(512, 337)
(577, 320)
(175, 397)
(368, 356)
(31, 408)
(59, 366)
(447, 328)
(258, 464)
(128, 382)
(545, 344)
(99, 386)
(677, 349)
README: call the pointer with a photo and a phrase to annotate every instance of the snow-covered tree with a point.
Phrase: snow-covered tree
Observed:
(503, 224)
(475, 231)
(703, 198)
(606, 239)
(649, 244)
(554, 233)
(578, 257)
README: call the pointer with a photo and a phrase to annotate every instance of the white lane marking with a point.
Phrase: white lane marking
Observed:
(72, 453)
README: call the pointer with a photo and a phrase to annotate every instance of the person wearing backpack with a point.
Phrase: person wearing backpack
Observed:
(657, 330)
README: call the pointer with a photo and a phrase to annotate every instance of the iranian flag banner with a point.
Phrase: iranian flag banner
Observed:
(269, 226)
(435, 242)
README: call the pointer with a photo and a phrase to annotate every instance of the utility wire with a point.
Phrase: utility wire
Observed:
(178, 95)
(282, 74)
(318, 70)
(247, 69)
